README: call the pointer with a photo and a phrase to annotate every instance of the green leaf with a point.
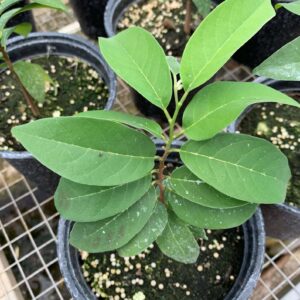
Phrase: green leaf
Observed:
(137, 58)
(284, 64)
(84, 203)
(113, 233)
(241, 166)
(198, 233)
(55, 4)
(23, 29)
(152, 230)
(189, 186)
(134, 121)
(6, 4)
(210, 218)
(203, 6)
(217, 105)
(6, 17)
(174, 64)
(89, 151)
(293, 7)
(219, 36)
(34, 78)
(178, 242)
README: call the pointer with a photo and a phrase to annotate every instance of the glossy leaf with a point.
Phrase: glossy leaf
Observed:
(217, 105)
(6, 4)
(174, 64)
(89, 151)
(293, 7)
(85, 203)
(210, 218)
(137, 58)
(34, 78)
(189, 186)
(113, 233)
(241, 166)
(119, 117)
(219, 36)
(283, 64)
(178, 242)
(152, 230)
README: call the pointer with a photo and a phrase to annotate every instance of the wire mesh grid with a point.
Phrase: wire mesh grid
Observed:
(28, 220)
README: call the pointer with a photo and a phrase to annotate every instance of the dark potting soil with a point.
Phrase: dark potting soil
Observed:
(152, 275)
(76, 87)
(280, 124)
(164, 19)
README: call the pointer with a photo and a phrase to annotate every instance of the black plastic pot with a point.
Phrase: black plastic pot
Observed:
(114, 11)
(44, 44)
(282, 221)
(283, 28)
(23, 17)
(254, 247)
(90, 14)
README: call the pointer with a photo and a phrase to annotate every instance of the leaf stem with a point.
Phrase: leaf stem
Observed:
(30, 101)
(188, 17)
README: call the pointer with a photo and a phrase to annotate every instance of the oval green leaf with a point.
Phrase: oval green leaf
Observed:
(217, 105)
(178, 242)
(137, 58)
(85, 203)
(210, 218)
(293, 7)
(112, 233)
(89, 151)
(152, 230)
(189, 186)
(284, 64)
(219, 36)
(240, 166)
(119, 117)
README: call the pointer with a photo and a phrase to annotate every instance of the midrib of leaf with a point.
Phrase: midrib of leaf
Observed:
(89, 149)
(230, 163)
(106, 224)
(143, 74)
(240, 28)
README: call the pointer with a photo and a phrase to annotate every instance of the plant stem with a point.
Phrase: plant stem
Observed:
(168, 147)
(30, 101)
(188, 17)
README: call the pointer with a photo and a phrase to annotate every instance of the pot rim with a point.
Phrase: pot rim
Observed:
(73, 41)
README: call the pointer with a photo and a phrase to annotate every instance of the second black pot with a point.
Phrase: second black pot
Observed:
(43, 44)
(282, 221)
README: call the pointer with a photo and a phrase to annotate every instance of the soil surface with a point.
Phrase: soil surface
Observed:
(280, 124)
(151, 275)
(165, 20)
(76, 87)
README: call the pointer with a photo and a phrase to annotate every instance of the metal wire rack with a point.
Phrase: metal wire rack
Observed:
(28, 222)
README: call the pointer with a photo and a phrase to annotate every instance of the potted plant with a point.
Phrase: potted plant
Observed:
(171, 23)
(280, 125)
(90, 14)
(118, 192)
(34, 70)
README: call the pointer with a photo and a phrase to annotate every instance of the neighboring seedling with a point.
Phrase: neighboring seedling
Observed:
(118, 191)
(31, 78)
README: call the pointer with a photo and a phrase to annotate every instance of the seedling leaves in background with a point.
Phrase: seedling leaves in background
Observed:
(174, 64)
(119, 117)
(113, 233)
(151, 231)
(218, 37)
(178, 242)
(89, 151)
(284, 64)
(211, 218)
(137, 58)
(293, 7)
(203, 6)
(217, 105)
(240, 166)
(34, 78)
(189, 186)
(84, 203)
